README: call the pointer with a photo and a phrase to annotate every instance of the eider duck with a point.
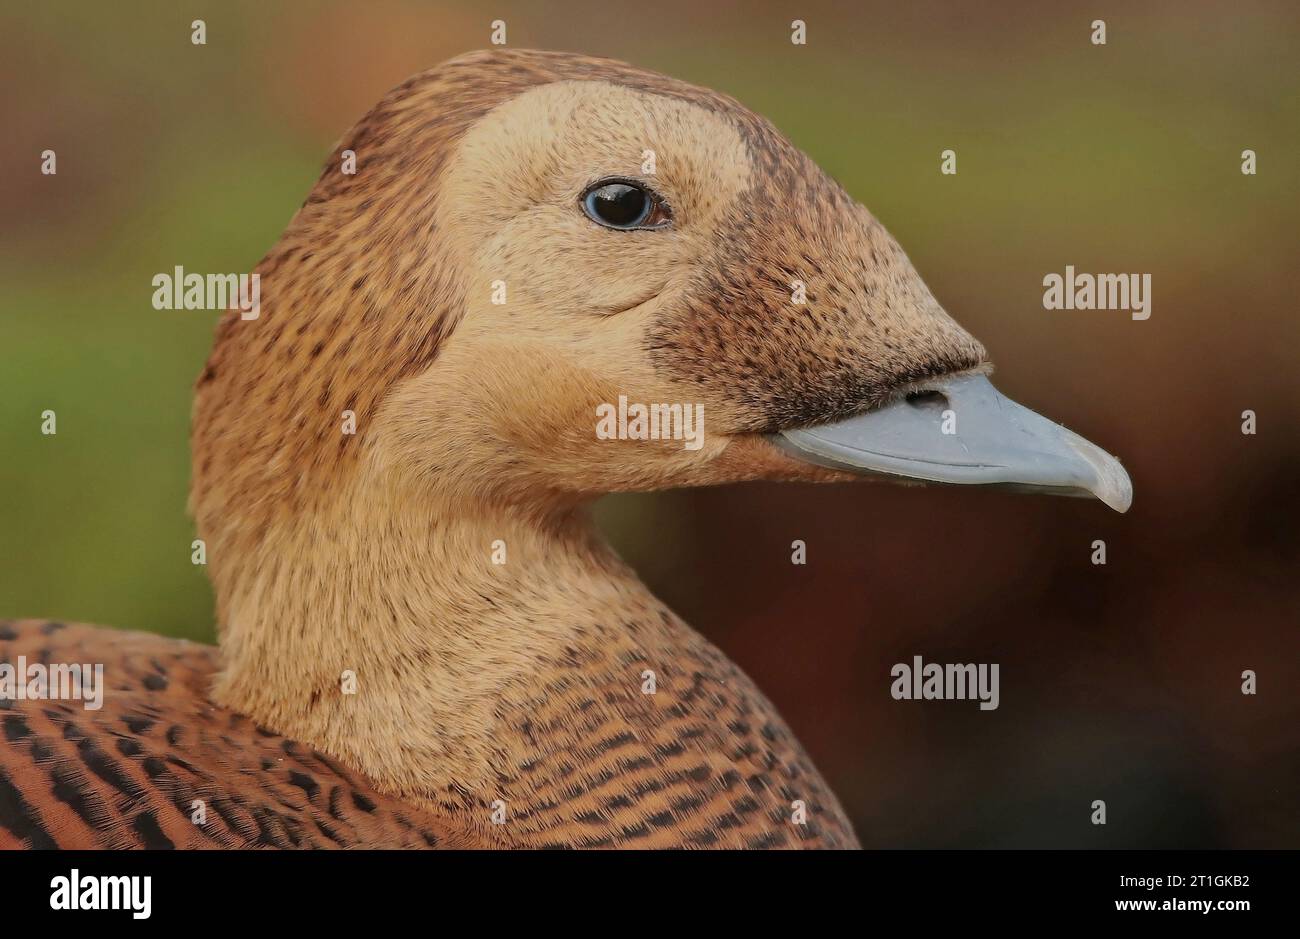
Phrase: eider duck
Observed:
(424, 642)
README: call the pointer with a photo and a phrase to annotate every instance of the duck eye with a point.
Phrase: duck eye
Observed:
(625, 205)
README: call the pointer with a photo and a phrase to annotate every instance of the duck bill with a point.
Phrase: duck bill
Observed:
(959, 429)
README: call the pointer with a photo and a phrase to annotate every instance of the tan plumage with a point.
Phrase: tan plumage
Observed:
(499, 705)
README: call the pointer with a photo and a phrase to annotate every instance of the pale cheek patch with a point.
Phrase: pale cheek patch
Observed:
(559, 265)
(512, 199)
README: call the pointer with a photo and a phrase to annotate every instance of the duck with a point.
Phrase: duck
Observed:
(424, 640)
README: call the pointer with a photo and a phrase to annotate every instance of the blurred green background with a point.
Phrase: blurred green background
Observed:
(1118, 682)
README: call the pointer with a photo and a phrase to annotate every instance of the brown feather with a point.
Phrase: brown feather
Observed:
(135, 773)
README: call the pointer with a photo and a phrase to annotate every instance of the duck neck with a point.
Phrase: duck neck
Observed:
(395, 632)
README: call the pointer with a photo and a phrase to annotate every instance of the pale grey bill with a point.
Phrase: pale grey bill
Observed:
(991, 440)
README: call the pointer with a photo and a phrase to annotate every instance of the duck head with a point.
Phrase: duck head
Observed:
(533, 242)
(626, 238)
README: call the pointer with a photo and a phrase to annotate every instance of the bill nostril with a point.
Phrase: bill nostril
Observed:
(931, 400)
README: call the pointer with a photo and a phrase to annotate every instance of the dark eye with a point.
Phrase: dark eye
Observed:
(624, 204)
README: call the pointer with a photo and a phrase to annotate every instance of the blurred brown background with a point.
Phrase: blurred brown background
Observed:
(1119, 682)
